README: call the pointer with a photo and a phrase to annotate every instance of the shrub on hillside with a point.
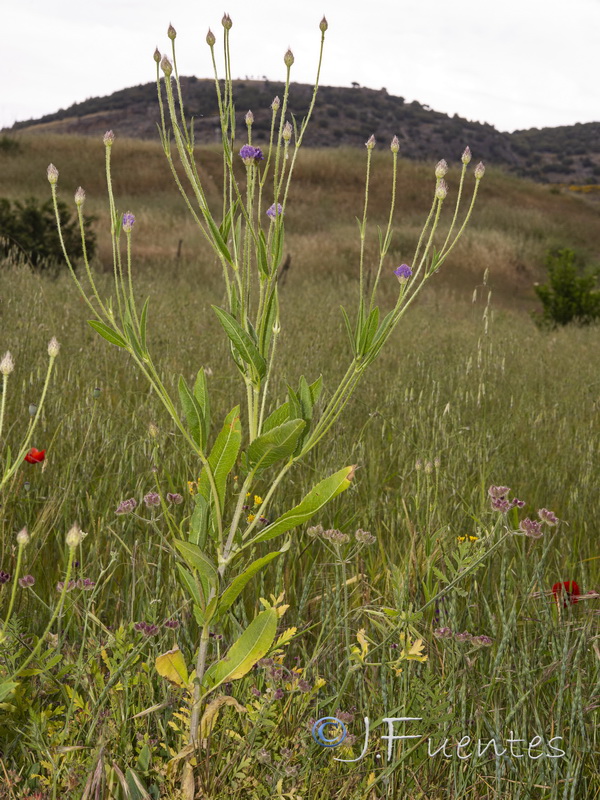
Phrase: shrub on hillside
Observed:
(29, 228)
(571, 294)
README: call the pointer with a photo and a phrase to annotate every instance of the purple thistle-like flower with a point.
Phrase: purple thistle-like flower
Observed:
(174, 498)
(465, 636)
(442, 633)
(151, 499)
(531, 528)
(484, 641)
(171, 623)
(278, 694)
(26, 580)
(403, 273)
(549, 517)
(251, 155)
(499, 499)
(128, 221)
(275, 211)
(126, 506)
(4, 576)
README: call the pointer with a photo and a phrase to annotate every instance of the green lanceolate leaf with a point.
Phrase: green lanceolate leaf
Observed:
(189, 584)
(195, 558)
(199, 521)
(217, 238)
(349, 330)
(275, 444)
(263, 263)
(144, 324)
(314, 502)
(242, 341)
(223, 456)
(316, 389)
(134, 341)
(278, 416)
(236, 586)
(8, 687)
(368, 331)
(193, 413)
(201, 395)
(252, 645)
(107, 333)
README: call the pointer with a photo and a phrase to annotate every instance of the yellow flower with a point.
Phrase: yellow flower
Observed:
(191, 486)
(257, 500)
(473, 538)
(461, 538)
(247, 494)
(251, 517)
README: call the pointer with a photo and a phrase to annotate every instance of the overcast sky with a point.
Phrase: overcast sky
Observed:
(513, 63)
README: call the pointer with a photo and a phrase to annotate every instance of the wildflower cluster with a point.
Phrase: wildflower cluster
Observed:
(500, 501)
(480, 641)
(82, 583)
(337, 537)
(151, 500)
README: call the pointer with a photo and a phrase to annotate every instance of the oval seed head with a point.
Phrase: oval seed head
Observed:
(171, 33)
(53, 347)
(52, 174)
(370, 143)
(108, 138)
(288, 58)
(79, 197)
(156, 55)
(466, 156)
(74, 537)
(276, 103)
(441, 169)
(226, 22)
(395, 145)
(441, 190)
(166, 66)
(23, 537)
(210, 38)
(287, 132)
(249, 118)
(323, 25)
(479, 171)
(7, 364)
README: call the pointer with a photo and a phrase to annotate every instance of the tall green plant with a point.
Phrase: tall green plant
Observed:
(246, 233)
(569, 296)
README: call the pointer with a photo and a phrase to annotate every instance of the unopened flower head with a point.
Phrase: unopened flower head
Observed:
(403, 273)
(370, 143)
(151, 499)
(395, 145)
(251, 155)
(531, 528)
(479, 171)
(549, 517)
(483, 640)
(441, 190)
(441, 168)
(128, 221)
(275, 211)
(364, 537)
(466, 156)
(276, 103)
(443, 633)
(74, 537)
(126, 506)
(174, 497)
(166, 66)
(157, 55)
(53, 347)
(323, 25)
(249, 118)
(288, 58)
(314, 531)
(287, 132)
(226, 22)
(171, 32)
(210, 38)
(23, 537)
(108, 138)
(26, 581)
(79, 197)
(52, 173)
(7, 364)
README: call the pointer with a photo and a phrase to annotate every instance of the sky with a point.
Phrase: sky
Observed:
(514, 64)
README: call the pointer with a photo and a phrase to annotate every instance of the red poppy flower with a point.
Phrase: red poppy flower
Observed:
(35, 456)
(568, 590)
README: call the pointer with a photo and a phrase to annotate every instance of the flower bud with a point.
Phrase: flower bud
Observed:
(441, 169)
(32, 409)
(287, 132)
(370, 143)
(210, 38)
(108, 138)
(275, 104)
(7, 364)
(128, 221)
(249, 118)
(479, 171)
(157, 55)
(74, 537)
(53, 347)
(395, 145)
(466, 156)
(171, 32)
(441, 190)
(52, 174)
(226, 22)
(79, 197)
(323, 25)
(23, 537)
(166, 66)
(288, 58)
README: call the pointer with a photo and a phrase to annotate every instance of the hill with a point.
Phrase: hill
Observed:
(345, 116)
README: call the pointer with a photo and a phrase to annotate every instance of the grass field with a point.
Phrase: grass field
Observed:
(468, 394)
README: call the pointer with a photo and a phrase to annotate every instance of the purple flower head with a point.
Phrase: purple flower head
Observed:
(465, 636)
(278, 694)
(128, 221)
(548, 517)
(275, 211)
(126, 506)
(499, 499)
(442, 633)
(4, 576)
(403, 273)
(251, 155)
(531, 528)
(171, 623)
(176, 499)
(151, 499)
(484, 641)
(26, 580)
